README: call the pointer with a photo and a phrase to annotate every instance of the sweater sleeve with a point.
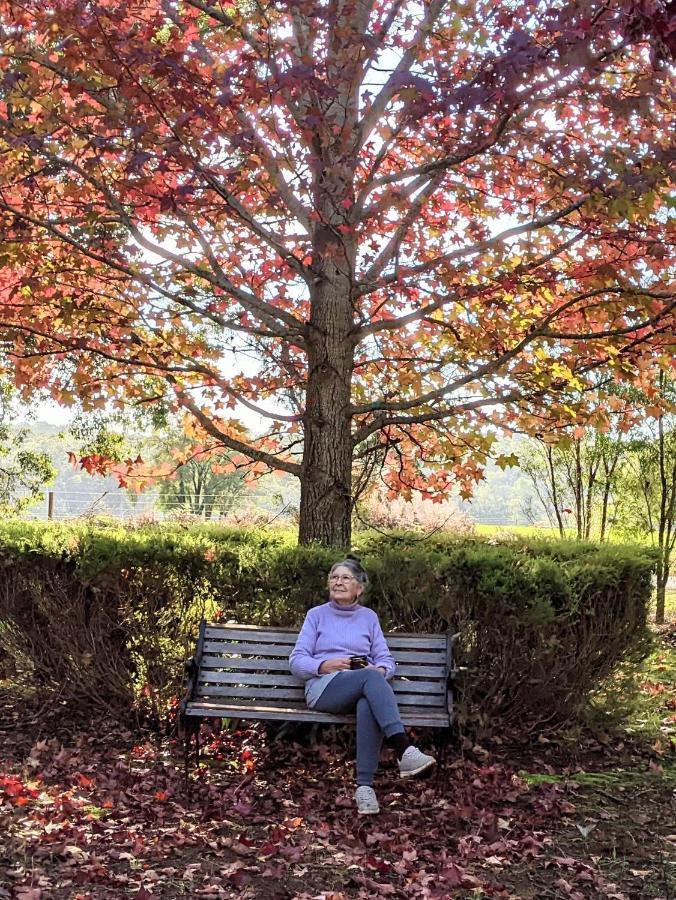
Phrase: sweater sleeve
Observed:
(380, 652)
(301, 660)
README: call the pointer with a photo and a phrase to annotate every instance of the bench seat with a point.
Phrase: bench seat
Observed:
(242, 671)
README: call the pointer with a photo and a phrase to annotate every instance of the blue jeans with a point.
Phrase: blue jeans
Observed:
(367, 691)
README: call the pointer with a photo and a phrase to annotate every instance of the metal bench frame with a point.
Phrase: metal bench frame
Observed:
(242, 672)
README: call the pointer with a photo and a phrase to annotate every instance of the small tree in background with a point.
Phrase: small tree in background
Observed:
(204, 484)
(24, 472)
(648, 482)
(576, 476)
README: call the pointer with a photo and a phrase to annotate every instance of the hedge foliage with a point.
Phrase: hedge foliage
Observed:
(105, 614)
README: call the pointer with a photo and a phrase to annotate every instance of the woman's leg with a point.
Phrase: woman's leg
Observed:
(369, 743)
(342, 693)
(377, 714)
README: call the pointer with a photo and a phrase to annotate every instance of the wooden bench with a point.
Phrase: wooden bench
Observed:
(242, 672)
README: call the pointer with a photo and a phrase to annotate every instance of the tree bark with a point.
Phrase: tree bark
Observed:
(660, 595)
(326, 476)
(326, 481)
(555, 499)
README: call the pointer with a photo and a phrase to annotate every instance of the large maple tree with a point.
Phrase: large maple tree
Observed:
(423, 221)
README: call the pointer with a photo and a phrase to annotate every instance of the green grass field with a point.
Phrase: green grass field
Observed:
(516, 530)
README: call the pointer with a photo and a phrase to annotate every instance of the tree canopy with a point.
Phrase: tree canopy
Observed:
(425, 222)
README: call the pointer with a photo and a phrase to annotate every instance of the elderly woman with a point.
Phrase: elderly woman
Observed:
(333, 633)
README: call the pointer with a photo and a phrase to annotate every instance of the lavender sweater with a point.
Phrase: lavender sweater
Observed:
(332, 630)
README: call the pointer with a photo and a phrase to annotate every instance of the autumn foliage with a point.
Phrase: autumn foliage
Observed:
(424, 221)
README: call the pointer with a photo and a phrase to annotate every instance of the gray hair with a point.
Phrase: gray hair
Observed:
(355, 567)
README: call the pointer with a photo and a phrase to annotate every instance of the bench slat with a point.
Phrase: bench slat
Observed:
(297, 694)
(282, 693)
(227, 680)
(405, 699)
(249, 649)
(251, 633)
(234, 663)
(237, 711)
(396, 641)
(270, 679)
(211, 661)
(418, 686)
(287, 637)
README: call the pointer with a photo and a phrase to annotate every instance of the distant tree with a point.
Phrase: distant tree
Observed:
(649, 483)
(576, 476)
(24, 472)
(204, 485)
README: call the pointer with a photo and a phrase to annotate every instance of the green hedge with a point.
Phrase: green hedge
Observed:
(106, 613)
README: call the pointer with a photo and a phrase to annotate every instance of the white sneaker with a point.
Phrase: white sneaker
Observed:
(367, 802)
(413, 762)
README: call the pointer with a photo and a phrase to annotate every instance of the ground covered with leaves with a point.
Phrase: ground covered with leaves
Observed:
(97, 810)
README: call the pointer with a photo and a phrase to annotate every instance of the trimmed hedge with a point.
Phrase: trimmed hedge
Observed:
(105, 614)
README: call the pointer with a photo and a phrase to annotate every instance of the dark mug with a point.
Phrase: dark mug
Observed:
(358, 662)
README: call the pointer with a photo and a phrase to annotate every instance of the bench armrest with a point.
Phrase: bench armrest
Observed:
(191, 669)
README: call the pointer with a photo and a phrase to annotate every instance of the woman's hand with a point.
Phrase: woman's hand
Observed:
(337, 664)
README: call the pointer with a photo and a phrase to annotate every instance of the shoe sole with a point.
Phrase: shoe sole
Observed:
(368, 812)
(419, 770)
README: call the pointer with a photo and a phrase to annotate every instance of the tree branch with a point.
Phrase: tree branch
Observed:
(232, 443)
(480, 246)
(380, 103)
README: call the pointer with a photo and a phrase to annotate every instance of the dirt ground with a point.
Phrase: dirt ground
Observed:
(99, 811)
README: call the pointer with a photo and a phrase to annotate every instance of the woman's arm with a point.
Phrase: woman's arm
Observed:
(380, 652)
(301, 660)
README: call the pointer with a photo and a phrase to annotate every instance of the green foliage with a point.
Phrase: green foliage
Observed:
(203, 485)
(24, 472)
(541, 623)
(576, 480)
(101, 434)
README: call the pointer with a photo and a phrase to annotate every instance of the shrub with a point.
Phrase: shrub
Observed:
(107, 614)
(414, 515)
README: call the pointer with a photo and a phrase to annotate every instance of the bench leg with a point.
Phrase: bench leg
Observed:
(191, 726)
(443, 742)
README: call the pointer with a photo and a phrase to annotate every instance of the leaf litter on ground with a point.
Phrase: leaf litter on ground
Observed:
(101, 811)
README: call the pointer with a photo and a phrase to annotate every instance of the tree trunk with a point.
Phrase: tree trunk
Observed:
(604, 509)
(326, 481)
(326, 477)
(555, 499)
(609, 473)
(660, 601)
(578, 492)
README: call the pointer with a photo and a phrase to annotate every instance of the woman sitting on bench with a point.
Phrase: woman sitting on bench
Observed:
(342, 656)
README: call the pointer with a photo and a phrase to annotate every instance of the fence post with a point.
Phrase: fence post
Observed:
(50, 504)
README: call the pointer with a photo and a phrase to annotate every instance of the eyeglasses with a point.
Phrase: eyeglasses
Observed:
(343, 578)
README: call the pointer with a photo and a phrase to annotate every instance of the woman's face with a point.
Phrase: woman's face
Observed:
(343, 586)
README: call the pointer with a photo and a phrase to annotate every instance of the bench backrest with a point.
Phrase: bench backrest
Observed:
(250, 665)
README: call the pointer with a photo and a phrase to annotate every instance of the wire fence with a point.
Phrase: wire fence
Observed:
(66, 505)
(83, 504)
